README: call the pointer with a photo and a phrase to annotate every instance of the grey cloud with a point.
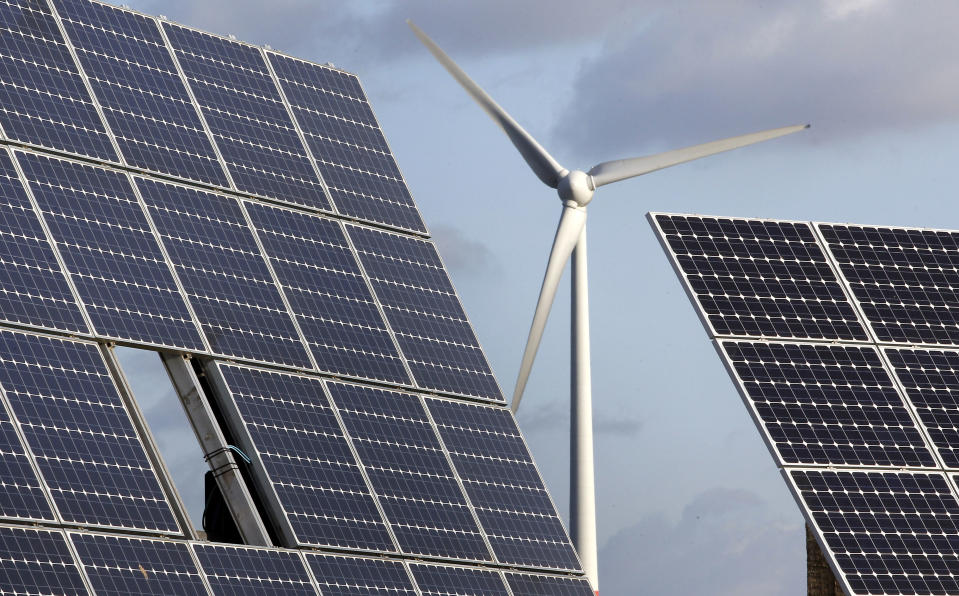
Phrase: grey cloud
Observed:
(712, 69)
(463, 255)
(725, 544)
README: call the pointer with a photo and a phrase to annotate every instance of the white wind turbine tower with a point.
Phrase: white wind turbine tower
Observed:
(576, 190)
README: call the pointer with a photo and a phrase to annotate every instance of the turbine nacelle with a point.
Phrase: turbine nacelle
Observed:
(576, 187)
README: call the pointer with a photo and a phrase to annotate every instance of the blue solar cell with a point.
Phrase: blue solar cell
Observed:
(237, 571)
(345, 138)
(409, 472)
(524, 584)
(33, 289)
(828, 404)
(110, 252)
(503, 485)
(21, 495)
(81, 436)
(225, 277)
(140, 91)
(355, 576)
(328, 294)
(37, 562)
(120, 566)
(425, 314)
(43, 100)
(442, 580)
(306, 458)
(246, 114)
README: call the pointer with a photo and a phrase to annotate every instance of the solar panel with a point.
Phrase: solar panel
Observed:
(306, 458)
(140, 91)
(21, 494)
(930, 379)
(226, 279)
(246, 114)
(525, 584)
(355, 576)
(110, 252)
(828, 404)
(759, 278)
(889, 532)
(120, 566)
(345, 138)
(503, 485)
(906, 281)
(80, 434)
(43, 99)
(236, 571)
(37, 562)
(33, 289)
(409, 472)
(334, 306)
(442, 580)
(425, 314)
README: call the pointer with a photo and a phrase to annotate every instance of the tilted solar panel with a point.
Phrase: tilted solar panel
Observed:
(306, 458)
(142, 95)
(33, 288)
(425, 314)
(441, 580)
(241, 571)
(499, 476)
(43, 99)
(345, 138)
(119, 566)
(356, 576)
(250, 123)
(527, 584)
(409, 472)
(37, 562)
(21, 493)
(110, 252)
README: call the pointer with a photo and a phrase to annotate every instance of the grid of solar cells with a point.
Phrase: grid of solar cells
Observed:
(110, 252)
(237, 571)
(890, 532)
(760, 278)
(425, 314)
(523, 584)
(43, 100)
(33, 289)
(119, 566)
(442, 580)
(225, 277)
(21, 494)
(246, 114)
(354, 576)
(37, 562)
(409, 472)
(828, 404)
(81, 436)
(336, 311)
(346, 140)
(931, 381)
(503, 485)
(140, 91)
(906, 281)
(294, 431)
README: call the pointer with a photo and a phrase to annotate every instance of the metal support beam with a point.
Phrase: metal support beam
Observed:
(214, 445)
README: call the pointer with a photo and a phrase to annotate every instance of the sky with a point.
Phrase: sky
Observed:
(689, 500)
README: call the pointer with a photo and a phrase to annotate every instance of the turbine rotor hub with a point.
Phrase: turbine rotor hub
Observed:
(576, 187)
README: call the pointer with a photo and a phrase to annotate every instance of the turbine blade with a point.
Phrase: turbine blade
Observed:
(571, 224)
(614, 171)
(542, 163)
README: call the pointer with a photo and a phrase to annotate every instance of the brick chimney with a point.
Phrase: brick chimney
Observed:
(819, 578)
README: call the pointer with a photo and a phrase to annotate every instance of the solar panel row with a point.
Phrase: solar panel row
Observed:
(865, 432)
(172, 266)
(34, 561)
(121, 87)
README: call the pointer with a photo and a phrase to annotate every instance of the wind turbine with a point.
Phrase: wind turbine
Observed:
(576, 190)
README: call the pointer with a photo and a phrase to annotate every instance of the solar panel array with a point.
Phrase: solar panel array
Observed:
(843, 341)
(182, 192)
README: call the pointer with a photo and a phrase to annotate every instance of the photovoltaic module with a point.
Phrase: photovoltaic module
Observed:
(239, 211)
